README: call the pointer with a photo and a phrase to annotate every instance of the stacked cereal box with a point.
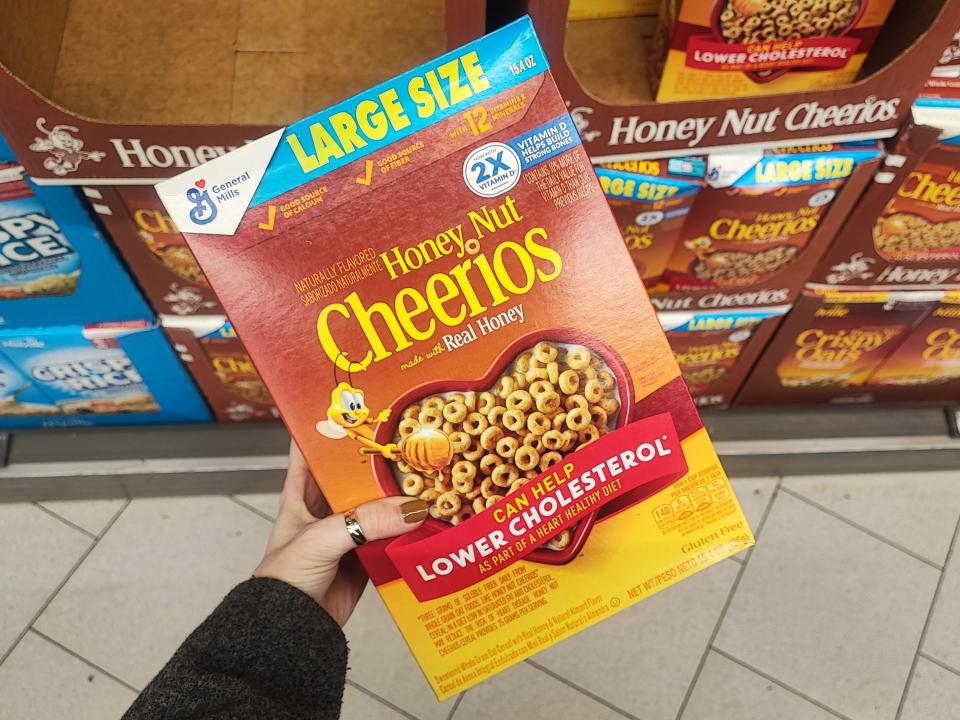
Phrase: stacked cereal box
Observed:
(732, 48)
(443, 317)
(650, 200)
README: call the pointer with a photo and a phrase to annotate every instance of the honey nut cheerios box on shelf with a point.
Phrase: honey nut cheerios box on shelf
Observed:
(429, 280)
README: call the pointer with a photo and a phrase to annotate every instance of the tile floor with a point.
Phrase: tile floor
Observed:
(849, 607)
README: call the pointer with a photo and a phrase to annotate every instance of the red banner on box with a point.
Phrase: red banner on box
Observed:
(827, 53)
(642, 452)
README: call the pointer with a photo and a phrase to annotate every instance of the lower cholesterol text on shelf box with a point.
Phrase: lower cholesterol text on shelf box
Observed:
(430, 282)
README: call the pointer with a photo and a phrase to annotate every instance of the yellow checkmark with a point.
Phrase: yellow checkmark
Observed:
(271, 218)
(368, 178)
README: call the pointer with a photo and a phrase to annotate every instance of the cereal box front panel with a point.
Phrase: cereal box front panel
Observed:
(430, 282)
(929, 357)
(730, 48)
(36, 258)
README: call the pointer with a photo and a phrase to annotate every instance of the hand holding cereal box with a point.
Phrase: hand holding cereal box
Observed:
(432, 287)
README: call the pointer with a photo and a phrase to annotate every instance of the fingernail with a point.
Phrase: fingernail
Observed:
(413, 511)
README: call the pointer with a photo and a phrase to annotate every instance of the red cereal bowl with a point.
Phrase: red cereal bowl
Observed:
(387, 431)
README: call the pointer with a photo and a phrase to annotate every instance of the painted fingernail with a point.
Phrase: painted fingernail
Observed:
(413, 511)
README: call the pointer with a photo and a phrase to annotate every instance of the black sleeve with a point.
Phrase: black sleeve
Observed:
(268, 651)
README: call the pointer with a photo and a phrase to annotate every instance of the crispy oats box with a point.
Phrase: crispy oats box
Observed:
(831, 345)
(758, 214)
(650, 200)
(732, 48)
(430, 283)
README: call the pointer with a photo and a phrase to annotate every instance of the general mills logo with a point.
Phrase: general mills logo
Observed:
(491, 170)
(203, 211)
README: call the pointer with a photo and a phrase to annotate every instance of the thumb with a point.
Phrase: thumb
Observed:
(377, 520)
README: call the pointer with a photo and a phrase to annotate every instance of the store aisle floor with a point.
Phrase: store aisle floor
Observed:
(849, 607)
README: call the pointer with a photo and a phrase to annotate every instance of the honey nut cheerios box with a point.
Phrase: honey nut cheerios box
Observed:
(430, 282)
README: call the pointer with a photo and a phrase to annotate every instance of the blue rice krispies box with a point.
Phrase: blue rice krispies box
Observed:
(55, 266)
(120, 373)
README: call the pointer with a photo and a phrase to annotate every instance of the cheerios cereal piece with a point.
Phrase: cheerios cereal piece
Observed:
(610, 405)
(435, 402)
(559, 421)
(552, 439)
(504, 475)
(517, 484)
(592, 391)
(589, 374)
(548, 402)
(514, 420)
(486, 402)
(607, 380)
(487, 488)
(488, 462)
(520, 379)
(412, 484)
(455, 412)
(429, 495)
(523, 361)
(536, 373)
(569, 381)
(570, 438)
(507, 446)
(539, 387)
(490, 436)
(578, 419)
(449, 427)
(553, 372)
(492, 500)
(530, 439)
(595, 362)
(431, 417)
(475, 423)
(530, 474)
(538, 423)
(548, 459)
(598, 416)
(479, 505)
(545, 352)
(475, 451)
(442, 483)
(588, 434)
(579, 358)
(463, 469)
(411, 412)
(461, 516)
(519, 400)
(404, 467)
(526, 457)
(449, 503)
(407, 427)
(473, 493)
(576, 401)
(495, 416)
(470, 400)
(434, 512)
(562, 540)
(459, 441)
(505, 386)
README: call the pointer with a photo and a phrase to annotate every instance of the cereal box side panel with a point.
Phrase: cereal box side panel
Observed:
(93, 287)
(721, 49)
(99, 376)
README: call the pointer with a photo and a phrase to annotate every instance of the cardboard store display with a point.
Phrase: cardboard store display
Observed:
(98, 91)
(412, 292)
(105, 374)
(221, 367)
(716, 351)
(616, 129)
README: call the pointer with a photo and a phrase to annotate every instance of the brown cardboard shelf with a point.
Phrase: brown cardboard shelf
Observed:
(600, 72)
(137, 91)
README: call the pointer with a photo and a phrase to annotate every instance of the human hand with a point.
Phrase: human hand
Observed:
(309, 547)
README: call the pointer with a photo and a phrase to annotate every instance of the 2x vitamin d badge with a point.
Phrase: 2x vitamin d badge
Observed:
(492, 169)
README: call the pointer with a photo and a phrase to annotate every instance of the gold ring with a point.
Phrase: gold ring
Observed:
(353, 527)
